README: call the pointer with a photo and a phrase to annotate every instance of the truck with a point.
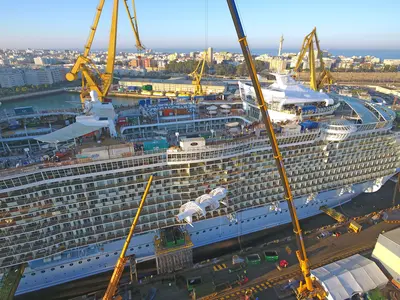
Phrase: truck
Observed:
(271, 256)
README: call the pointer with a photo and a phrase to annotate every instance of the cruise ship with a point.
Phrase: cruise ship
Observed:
(68, 220)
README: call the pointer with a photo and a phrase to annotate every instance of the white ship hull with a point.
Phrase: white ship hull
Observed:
(91, 261)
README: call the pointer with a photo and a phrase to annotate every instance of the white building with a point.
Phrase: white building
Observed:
(58, 74)
(391, 62)
(44, 61)
(11, 77)
(387, 251)
(39, 76)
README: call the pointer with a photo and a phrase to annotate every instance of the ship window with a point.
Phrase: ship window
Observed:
(80, 262)
(115, 253)
(204, 231)
(43, 271)
(265, 216)
(140, 247)
(23, 276)
(62, 267)
(276, 213)
(216, 227)
(210, 229)
(197, 232)
(131, 249)
(33, 274)
(107, 255)
(52, 269)
(254, 219)
(230, 224)
(88, 259)
(147, 245)
(259, 217)
(71, 264)
(97, 257)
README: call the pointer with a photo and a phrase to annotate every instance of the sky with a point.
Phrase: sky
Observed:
(187, 24)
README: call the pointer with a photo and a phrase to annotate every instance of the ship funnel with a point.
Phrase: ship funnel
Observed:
(93, 95)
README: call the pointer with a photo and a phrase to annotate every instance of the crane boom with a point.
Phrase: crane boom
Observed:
(301, 252)
(92, 78)
(325, 77)
(197, 76)
(122, 260)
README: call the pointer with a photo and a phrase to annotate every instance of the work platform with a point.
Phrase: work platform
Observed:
(173, 250)
(333, 213)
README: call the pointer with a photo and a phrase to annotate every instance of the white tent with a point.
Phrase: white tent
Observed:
(355, 274)
(212, 107)
(69, 132)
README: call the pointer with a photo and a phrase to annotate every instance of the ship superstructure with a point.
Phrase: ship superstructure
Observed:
(68, 220)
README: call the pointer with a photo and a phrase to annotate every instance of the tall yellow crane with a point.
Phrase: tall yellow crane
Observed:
(325, 78)
(310, 288)
(122, 260)
(92, 78)
(196, 75)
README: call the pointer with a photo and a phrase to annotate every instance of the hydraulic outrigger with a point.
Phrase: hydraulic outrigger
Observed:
(92, 78)
(310, 288)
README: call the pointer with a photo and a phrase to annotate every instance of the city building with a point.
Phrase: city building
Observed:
(279, 64)
(391, 62)
(210, 56)
(170, 85)
(40, 61)
(10, 77)
(38, 76)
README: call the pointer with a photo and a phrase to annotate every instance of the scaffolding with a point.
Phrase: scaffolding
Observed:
(173, 250)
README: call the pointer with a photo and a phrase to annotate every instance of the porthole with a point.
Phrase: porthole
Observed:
(88, 259)
(62, 267)
(259, 217)
(204, 231)
(140, 247)
(210, 229)
(115, 253)
(80, 262)
(216, 227)
(197, 232)
(254, 219)
(97, 257)
(33, 274)
(107, 255)
(147, 245)
(23, 276)
(131, 249)
(43, 271)
(248, 220)
(230, 225)
(71, 264)
(242, 222)
(52, 269)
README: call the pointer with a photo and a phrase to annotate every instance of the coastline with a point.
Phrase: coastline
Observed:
(29, 95)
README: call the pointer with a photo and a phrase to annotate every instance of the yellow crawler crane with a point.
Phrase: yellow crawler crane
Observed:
(309, 288)
(196, 75)
(122, 260)
(325, 78)
(92, 78)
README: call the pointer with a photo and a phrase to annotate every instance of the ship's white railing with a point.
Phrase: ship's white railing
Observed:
(232, 148)
(321, 110)
(336, 132)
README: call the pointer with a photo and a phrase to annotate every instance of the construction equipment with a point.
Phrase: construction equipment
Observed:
(354, 226)
(122, 260)
(325, 78)
(92, 78)
(196, 75)
(311, 288)
(333, 213)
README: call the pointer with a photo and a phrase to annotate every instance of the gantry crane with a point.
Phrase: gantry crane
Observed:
(122, 260)
(196, 75)
(92, 78)
(325, 78)
(310, 288)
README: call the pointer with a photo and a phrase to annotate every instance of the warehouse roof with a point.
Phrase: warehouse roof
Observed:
(171, 81)
(355, 274)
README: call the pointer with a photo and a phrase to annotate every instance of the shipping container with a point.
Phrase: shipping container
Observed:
(142, 102)
(155, 145)
(147, 87)
(168, 112)
(133, 88)
(107, 100)
(122, 120)
(26, 110)
(181, 111)
(146, 92)
(163, 101)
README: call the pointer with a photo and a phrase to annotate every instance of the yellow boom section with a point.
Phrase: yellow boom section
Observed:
(92, 78)
(122, 260)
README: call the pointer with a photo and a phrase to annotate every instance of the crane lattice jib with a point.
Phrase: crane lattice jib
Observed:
(197, 76)
(92, 78)
(310, 286)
